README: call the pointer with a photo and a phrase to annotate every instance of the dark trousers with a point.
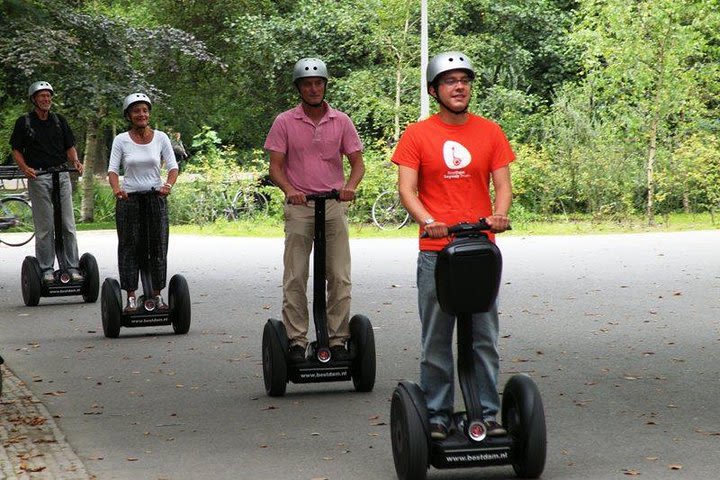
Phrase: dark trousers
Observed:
(142, 222)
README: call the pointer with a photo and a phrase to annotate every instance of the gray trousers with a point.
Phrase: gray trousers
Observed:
(40, 190)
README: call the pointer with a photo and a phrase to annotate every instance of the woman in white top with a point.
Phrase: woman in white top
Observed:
(140, 152)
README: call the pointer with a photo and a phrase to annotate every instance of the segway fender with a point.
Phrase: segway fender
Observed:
(362, 341)
(31, 281)
(91, 282)
(524, 416)
(418, 400)
(280, 333)
(274, 355)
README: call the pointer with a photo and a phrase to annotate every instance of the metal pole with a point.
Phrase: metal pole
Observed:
(424, 100)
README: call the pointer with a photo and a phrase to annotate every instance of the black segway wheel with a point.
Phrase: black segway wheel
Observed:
(363, 369)
(91, 283)
(179, 297)
(274, 359)
(409, 440)
(111, 308)
(31, 280)
(524, 417)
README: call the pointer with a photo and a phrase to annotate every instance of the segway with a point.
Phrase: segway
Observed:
(319, 366)
(467, 279)
(33, 286)
(147, 313)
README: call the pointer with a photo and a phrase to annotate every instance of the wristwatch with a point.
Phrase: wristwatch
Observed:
(428, 221)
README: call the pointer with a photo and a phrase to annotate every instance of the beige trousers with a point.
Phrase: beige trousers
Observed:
(299, 233)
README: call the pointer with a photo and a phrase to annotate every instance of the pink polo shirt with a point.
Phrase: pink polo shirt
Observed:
(313, 153)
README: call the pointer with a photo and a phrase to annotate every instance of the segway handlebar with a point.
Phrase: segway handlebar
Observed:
(331, 195)
(58, 169)
(465, 228)
(152, 191)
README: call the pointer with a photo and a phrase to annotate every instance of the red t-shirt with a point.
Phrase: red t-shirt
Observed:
(454, 163)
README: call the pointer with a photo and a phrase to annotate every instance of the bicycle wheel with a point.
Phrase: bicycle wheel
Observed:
(19, 229)
(249, 204)
(388, 213)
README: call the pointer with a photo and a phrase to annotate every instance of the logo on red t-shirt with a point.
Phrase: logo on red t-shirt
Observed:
(456, 156)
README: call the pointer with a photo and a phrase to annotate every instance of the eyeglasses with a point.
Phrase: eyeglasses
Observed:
(451, 82)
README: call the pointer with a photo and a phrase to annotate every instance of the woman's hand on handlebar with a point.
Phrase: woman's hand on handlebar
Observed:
(121, 194)
(498, 223)
(165, 190)
(436, 230)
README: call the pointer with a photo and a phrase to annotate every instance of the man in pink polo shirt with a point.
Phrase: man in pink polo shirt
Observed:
(306, 145)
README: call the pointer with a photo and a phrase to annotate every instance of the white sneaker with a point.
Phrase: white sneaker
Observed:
(75, 275)
(48, 276)
(160, 303)
(131, 305)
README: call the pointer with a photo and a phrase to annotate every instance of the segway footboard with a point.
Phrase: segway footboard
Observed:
(314, 371)
(457, 451)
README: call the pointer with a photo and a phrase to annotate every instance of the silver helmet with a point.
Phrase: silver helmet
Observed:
(444, 62)
(309, 67)
(135, 98)
(38, 86)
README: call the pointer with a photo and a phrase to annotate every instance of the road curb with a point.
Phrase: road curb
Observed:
(31, 444)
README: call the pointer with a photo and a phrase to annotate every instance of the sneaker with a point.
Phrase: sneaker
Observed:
(131, 305)
(297, 354)
(438, 431)
(48, 276)
(75, 275)
(494, 429)
(339, 353)
(160, 303)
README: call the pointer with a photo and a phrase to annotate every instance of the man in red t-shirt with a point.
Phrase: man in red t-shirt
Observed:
(446, 164)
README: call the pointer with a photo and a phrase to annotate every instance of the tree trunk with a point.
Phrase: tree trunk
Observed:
(398, 91)
(87, 206)
(651, 170)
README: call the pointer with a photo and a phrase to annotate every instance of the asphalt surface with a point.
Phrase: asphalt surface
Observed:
(620, 332)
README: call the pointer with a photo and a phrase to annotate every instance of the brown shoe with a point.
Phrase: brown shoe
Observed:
(438, 431)
(296, 354)
(494, 429)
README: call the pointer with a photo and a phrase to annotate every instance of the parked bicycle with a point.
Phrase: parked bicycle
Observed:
(16, 221)
(388, 212)
(247, 202)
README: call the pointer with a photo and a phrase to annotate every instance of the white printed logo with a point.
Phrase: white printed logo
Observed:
(456, 156)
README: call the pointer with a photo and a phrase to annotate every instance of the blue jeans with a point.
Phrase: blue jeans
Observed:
(40, 190)
(437, 373)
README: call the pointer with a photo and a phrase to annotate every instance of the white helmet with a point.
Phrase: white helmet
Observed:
(37, 86)
(135, 98)
(309, 67)
(444, 62)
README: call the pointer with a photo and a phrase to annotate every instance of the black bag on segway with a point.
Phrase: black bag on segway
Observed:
(467, 275)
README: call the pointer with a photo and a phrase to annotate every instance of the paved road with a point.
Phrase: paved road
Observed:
(621, 333)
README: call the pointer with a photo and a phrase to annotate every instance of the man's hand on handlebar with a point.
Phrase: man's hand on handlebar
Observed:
(436, 230)
(498, 223)
(78, 166)
(121, 195)
(29, 172)
(347, 194)
(295, 197)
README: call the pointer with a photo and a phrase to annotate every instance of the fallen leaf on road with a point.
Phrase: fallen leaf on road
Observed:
(132, 459)
(675, 466)
(631, 473)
